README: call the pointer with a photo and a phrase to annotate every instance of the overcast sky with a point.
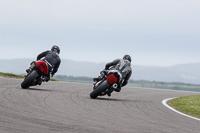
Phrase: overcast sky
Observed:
(153, 32)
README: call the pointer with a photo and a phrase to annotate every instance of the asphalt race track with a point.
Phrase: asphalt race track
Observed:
(58, 107)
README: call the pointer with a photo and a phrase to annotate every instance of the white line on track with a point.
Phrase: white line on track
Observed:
(164, 102)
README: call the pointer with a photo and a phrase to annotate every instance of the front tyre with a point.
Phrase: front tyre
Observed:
(29, 79)
(101, 88)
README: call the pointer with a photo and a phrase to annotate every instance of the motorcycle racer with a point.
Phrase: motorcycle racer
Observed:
(123, 66)
(51, 58)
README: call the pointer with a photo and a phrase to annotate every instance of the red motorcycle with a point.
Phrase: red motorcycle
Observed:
(110, 81)
(36, 76)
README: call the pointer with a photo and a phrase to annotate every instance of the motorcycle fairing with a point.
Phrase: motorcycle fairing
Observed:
(42, 66)
(111, 78)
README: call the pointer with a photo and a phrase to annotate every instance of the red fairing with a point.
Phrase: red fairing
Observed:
(111, 79)
(42, 66)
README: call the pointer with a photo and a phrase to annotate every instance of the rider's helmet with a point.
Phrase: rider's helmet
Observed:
(127, 57)
(55, 48)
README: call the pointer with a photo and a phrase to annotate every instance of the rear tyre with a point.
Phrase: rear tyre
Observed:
(101, 88)
(29, 79)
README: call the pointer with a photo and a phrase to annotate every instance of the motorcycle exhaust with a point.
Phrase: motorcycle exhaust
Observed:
(115, 85)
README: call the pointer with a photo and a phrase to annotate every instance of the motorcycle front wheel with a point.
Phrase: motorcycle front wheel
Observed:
(29, 79)
(101, 88)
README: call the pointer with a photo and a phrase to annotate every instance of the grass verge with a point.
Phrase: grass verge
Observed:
(189, 105)
(10, 75)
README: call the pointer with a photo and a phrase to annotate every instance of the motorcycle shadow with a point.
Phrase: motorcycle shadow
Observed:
(109, 99)
(38, 89)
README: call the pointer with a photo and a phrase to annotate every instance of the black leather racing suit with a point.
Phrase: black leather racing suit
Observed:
(124, 66)
(52, 59)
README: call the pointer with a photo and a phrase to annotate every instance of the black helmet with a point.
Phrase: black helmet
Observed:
(127, 57)
(55, 48)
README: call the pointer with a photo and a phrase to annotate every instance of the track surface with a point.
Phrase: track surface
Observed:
(58, 107)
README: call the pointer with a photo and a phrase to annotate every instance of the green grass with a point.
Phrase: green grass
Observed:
(10, 75)
(53, 80)
(189, 105)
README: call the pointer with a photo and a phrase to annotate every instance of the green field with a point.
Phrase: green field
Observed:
(189, 105)
(10, 75)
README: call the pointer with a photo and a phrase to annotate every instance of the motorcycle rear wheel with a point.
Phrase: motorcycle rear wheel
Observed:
(29, 79)
(101, 88)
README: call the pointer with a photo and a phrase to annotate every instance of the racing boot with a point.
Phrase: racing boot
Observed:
(102, 74)
(28, 70)
(109, 94)
(118, 89)
(97, 79)
(46, 78)
(32, 65)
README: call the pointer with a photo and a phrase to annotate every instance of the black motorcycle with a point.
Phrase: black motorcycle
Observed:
(36, 76)
(107, 85)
